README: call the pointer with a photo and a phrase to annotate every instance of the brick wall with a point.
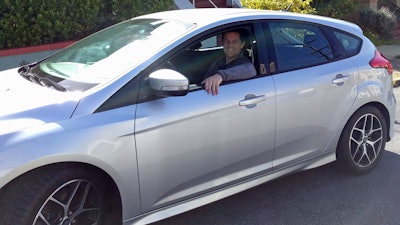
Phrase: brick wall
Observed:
(208, 4)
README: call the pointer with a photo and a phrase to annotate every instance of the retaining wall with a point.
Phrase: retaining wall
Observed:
(16, 57)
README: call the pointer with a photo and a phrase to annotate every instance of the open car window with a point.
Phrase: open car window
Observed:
(194, 60)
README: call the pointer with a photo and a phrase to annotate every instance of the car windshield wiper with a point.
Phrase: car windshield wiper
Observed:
(45, 82)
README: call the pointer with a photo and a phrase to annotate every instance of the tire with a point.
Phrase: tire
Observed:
(66, 195)
(362, 141)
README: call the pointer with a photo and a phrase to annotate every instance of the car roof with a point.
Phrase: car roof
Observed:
(206, 16)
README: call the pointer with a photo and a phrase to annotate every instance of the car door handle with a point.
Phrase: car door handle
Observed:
(252, 100)
(340, 79)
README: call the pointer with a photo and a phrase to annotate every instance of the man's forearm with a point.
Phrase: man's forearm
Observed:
(238, 72)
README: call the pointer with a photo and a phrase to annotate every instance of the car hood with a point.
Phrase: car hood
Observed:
(25, 104)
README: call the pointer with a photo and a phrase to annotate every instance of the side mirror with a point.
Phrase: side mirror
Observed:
(166, 82)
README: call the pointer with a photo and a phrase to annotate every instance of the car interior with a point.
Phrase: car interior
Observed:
(194, 61)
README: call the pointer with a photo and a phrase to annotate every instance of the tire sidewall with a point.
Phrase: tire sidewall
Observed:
(47, 182)
(343, 152)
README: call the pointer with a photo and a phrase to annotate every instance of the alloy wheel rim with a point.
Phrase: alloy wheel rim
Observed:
(366, 140)
(73, 203)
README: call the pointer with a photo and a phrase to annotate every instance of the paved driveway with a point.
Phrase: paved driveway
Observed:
(316, 197)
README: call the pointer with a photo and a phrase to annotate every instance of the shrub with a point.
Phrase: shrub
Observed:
(125, 9)
(336, 8)
(299, 6)
(116, 11)
(30, 22)
(380, 22)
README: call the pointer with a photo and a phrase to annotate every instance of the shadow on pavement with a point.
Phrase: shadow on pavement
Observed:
(319, 196)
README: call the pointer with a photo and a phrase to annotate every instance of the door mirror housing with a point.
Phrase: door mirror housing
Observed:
(167, 82)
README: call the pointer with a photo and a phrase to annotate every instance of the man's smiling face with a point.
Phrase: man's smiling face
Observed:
(232, 45)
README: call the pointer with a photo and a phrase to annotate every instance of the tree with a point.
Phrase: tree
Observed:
(299, 6)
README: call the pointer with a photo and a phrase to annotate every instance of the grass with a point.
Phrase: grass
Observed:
(377, 40)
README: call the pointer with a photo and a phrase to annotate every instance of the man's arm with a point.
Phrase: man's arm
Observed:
(242, 71)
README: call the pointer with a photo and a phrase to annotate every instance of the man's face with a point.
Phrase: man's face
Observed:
(232, 45)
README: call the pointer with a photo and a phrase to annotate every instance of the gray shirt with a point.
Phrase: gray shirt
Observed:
(240, 68)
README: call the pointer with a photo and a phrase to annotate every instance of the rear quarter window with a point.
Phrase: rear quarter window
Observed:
(350, 44)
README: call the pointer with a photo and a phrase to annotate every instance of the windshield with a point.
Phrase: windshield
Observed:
(108, 53)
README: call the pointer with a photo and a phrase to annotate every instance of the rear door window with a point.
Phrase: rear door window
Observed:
(299, 45)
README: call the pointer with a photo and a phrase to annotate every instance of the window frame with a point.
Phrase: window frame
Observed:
(339, 52)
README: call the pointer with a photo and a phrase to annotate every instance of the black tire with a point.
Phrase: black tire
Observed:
(362, 141)
(67, 195)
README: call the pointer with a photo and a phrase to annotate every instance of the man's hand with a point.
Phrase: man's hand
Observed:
(212, 84)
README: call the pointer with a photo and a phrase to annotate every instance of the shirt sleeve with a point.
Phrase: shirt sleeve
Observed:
(238, 72)
(211, 70)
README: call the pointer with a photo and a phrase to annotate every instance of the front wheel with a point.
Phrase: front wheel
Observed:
(362, 142)
(58, 196)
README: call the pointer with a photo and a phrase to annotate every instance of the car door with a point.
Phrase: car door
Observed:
(190, 145)
(314, 91)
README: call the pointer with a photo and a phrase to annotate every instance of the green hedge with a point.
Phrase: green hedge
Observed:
(35, 22)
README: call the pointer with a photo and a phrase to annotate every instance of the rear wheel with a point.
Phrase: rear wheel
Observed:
(58, 196)
(362, 142)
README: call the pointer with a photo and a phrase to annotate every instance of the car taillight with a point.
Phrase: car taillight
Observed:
(380, 61)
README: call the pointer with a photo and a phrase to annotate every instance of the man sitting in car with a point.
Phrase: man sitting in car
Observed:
(234, 65)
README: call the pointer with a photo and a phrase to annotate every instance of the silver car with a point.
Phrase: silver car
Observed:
(118, 129)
